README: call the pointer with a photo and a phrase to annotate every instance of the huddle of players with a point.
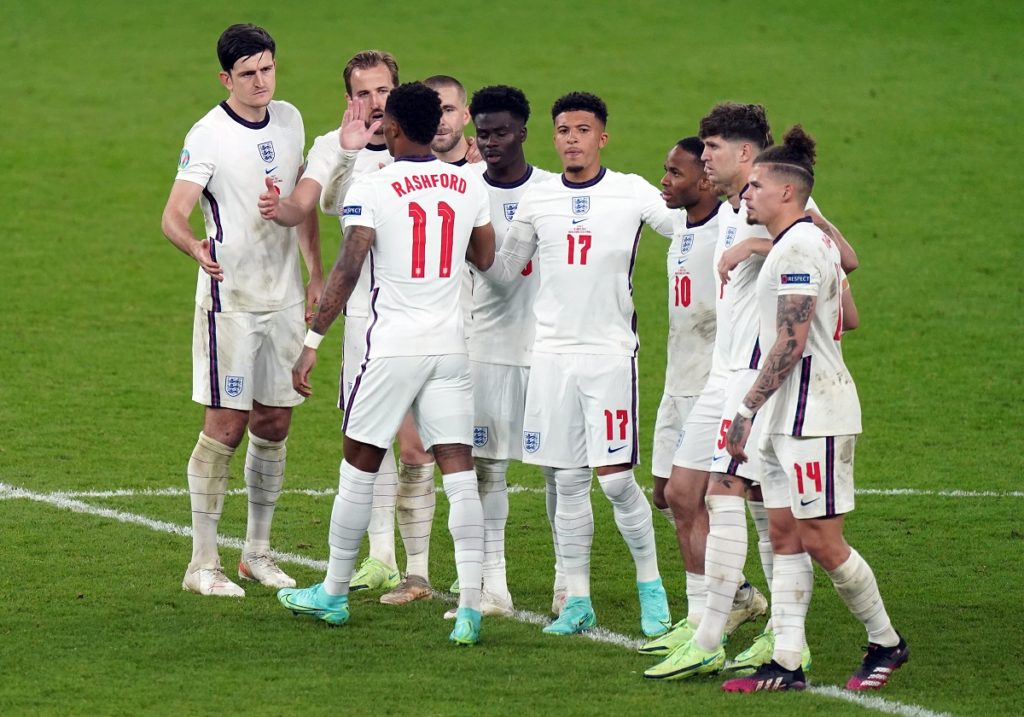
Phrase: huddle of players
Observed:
(567, 245)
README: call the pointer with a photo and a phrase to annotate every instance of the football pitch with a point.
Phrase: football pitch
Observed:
(915, 107)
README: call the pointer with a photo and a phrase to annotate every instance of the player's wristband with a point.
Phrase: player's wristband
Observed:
(313, 339)
(742, 410)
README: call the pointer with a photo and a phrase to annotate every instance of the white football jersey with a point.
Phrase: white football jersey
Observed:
(744, 347)
(583, 238)
(231, 158)
(691, 305)
(319, 163)
(423, 212)
(819, 397)
(503, 321)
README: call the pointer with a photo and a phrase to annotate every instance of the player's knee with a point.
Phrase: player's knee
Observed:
(452, 458)
(270, 423)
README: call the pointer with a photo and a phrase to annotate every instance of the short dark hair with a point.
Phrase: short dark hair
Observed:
(500, 98)
(735, 121)
(436, 82)
(692, 146)
(243, 40)
(794, 157)
(580, 101)
(365, 60)
(417, 109)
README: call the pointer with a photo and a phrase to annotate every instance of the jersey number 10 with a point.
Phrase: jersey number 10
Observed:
(682, 290)
(419, 239)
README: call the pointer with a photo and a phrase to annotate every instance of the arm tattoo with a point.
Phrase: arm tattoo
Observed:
(792, 323)
(343, 277)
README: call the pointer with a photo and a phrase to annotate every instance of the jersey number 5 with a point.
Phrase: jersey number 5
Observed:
(419, 239)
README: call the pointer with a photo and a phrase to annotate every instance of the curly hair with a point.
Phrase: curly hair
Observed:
(580, 101)
(500, 98)
(417, 109)
(735, 121)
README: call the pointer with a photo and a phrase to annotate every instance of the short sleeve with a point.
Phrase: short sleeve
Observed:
(483, 213)
(653, 210)
(360, 206)
(199, 156)
(322, 159)
(799, 268)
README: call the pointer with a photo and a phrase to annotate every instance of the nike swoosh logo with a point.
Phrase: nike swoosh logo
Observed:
(718, 458)
(707, 660)
(577, 221)
(615, 450)
(268, 171)
(807, 502)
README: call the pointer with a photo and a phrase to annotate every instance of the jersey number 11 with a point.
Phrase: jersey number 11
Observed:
(419, 239)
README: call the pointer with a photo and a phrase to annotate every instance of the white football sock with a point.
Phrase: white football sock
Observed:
(574, 527)
(382, 514)
(264, 476)
(494, 501)
(856, 585)
(349, 520)
(415, 507)
(551, 504)
(759, 514)
(207, 480)
(696, 597)
(792, 583)
(633, 518)
(724, 557)
(466, 524)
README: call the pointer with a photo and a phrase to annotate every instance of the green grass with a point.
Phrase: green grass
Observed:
(915, 107)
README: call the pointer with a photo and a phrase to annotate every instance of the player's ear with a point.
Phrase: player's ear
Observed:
(522, 133)
(225, 79)
(603, 141)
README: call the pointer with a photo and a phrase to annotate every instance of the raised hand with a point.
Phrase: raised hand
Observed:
(356, 131)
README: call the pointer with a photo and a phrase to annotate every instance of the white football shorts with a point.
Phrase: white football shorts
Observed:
(499, 401)
(581, 410)
(721, 462)
(437, 389)
(700, 431)
(812, 476)
(668, 431)
(240, 357)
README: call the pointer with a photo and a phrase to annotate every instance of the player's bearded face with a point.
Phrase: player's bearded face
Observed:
(372, 86)
(252, 80)
(454, 117)
(764, 196)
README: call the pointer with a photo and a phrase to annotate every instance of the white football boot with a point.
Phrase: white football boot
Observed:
(210, 581)
(261, 568)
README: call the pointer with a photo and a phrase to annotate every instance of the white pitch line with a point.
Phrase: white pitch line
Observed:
(875, 703)
(512, 488)
(65, 501)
